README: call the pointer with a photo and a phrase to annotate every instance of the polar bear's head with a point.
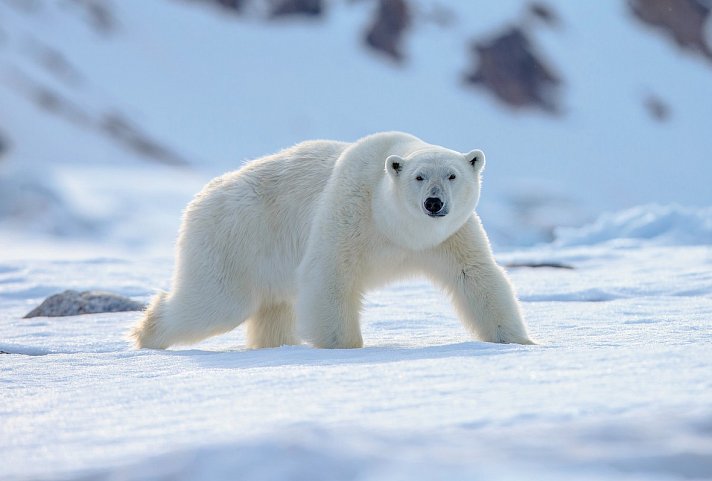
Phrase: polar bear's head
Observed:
(436, 188)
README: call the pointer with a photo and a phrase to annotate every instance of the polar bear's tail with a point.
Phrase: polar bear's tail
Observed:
(147, 333)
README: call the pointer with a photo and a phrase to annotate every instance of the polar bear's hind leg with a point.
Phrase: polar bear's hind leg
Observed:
(170, 319)
(145, 334)
(271, 326)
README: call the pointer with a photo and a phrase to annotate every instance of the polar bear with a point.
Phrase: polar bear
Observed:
(290, 243)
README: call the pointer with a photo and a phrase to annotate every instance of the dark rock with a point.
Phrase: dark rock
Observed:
(55, 63)
(544, 13)
(509, 67)
(99, 14)
(386, 32)
(3, 145)
(126, 133)
(657, 108)
(72, 303)
(310, 8)
(683, 20)
(231, 4)
(53, 101)
(539, 265)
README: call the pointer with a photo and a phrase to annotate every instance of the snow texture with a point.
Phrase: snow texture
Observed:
(618, 388)
(662, 225)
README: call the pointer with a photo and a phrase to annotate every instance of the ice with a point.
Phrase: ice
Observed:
(618, 387)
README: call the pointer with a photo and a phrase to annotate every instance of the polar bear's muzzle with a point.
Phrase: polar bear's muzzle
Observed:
(435, 207)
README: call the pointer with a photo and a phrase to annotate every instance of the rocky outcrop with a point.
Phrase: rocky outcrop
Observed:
(310, 8)
(539, 265)
(509, 67)
(98, 13)
(3, 145)
(391, 21)
(657, 108)
(72, 303)
(55, 63)
(683, 20)
(544, 14)
(231, 4)
(113, 124)
(131, 136)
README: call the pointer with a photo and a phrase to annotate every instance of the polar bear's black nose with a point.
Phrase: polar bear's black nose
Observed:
(433, 205)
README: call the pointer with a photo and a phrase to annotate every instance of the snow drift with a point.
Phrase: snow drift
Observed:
(656, 224)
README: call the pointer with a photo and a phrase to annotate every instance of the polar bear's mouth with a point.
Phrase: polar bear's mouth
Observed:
(442, 213)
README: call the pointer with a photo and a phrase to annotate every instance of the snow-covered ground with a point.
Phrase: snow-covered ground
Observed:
(619, 387)
(107, 129)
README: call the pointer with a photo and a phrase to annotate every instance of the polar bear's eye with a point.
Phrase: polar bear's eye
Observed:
(452, 177)
(419, 178)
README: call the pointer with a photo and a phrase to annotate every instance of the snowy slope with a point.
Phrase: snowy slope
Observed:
(217, 89)
(618, 388)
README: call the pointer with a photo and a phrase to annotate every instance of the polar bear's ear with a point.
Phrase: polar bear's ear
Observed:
(476, 158)
(394, 164)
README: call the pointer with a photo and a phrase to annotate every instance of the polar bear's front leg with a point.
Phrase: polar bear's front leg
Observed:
(481, 292)
(487, 305)
(327, 307)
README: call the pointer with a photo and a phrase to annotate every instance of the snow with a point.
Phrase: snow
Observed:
(619, 386)
(669, 224)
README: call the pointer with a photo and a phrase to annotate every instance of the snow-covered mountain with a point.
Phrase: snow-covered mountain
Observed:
(112, 114)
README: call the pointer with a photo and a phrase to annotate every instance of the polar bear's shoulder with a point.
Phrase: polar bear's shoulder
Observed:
(312, 149)
(373, 146)
(366, 157)
(391, 142)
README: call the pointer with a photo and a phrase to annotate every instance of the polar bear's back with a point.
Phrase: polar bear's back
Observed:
(287, 186)
(259, 216)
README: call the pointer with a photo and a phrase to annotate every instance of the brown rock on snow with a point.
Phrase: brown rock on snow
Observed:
(657, 108)
(282, 8)
(510, 68)
(3, 145)
(98, 14)
(232, 4)
(72, 303)
(131, 136)
(683, 20)
(386, 32)
(544, 13)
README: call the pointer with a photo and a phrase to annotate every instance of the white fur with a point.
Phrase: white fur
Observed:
(293, 240)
